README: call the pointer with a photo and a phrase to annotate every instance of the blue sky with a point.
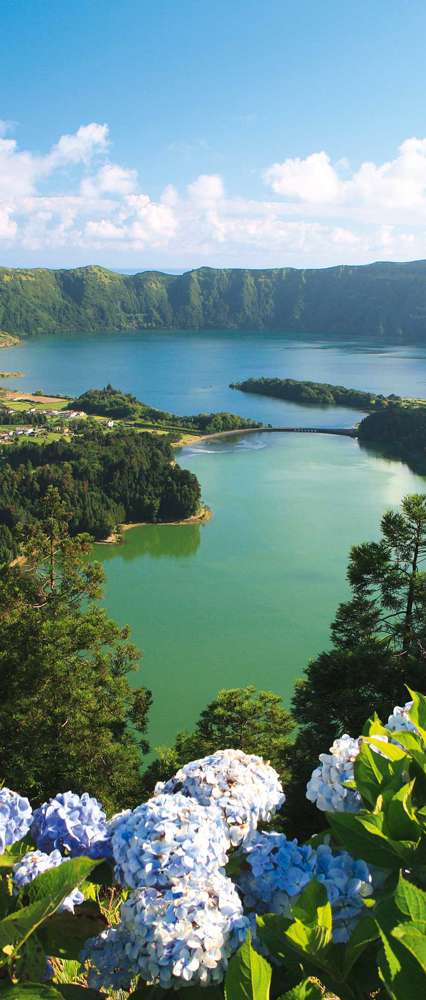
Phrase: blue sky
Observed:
(181, 133)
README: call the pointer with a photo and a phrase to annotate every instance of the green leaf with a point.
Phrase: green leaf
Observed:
(413, 937)
(57, 883)
(400, 815)
(417, 712)
(69, 991)
(312, 927)
(365, 933)
(248, 976)
(361, 835)
(410, 900)
(45, 893)
(65, 933)
(370, 772)
(307, 990)
(389, 751)
(32, 991)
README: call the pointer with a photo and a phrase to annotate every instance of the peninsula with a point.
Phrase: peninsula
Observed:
(382, 300)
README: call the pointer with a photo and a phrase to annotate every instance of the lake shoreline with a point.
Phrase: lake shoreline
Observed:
(116, 537)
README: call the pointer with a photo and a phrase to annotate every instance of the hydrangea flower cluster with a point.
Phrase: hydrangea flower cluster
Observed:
(186, 933)
(245, 788)
(73, 823)
(326, 786)
(348, 883)
(107, 960)
(400, 720)
(34, 863)
(15, 818)
(168, 838)
(277, 869)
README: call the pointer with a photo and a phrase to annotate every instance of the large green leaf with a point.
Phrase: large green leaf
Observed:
(30, 991)
(248, 976)
(65, 933)
(56, 883)
(45, 893)
(413, 937)
(365, 933)
(410, 900)
(362, 835)
(311, 930)
(400, 815)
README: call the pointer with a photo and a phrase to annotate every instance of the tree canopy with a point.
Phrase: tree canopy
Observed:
(68, 716)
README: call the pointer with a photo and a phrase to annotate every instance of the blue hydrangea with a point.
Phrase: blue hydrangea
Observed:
(400, 719)
(276, 870)
(15, 818)
(245, 788)
(326, 786)
(167, 838)
(72, 823)
(34, 863)
(184, 934)
(348, 883)
(279, 869)
(106, 960)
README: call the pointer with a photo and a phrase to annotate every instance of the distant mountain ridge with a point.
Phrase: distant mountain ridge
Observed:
(385, 300)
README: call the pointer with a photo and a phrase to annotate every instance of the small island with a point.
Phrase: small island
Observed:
(316, 393)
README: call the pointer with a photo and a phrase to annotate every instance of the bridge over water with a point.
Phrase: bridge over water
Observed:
(341, 431)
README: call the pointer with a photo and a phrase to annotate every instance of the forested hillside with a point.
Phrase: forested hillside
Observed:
(383, 299)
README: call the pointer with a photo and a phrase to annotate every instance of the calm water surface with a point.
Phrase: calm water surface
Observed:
(249, 596)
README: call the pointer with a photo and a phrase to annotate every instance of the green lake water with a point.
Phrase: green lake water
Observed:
(249, 596)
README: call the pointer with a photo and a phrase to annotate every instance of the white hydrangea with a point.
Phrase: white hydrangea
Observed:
(400, 721)
(184, 934)
(243, 786)
(167, 838)
(326, 786)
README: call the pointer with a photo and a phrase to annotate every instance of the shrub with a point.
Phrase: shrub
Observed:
(343, 915)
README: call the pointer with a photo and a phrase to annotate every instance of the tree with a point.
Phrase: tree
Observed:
(379, 648)
(388, 585)
(68, 717)
(238, 718)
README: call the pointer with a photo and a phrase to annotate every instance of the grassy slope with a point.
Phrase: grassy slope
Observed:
(386, 300)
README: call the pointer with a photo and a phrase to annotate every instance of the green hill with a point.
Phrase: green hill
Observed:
(377, 300)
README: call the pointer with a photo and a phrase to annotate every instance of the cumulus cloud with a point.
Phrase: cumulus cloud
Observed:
(390, 191)
(316, 212)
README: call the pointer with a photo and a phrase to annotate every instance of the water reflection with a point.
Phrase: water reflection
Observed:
(175, 541)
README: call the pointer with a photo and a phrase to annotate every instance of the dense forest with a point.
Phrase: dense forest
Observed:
(119, 405)
(103, 479)
(399, 433)
(374, 300)
(317, 393)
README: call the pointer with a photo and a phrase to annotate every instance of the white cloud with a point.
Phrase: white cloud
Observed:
(79, 147)
(318, 212)
(313, 180)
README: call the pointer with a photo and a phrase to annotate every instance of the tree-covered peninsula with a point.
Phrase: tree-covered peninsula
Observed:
(315, 393)
(398, 432)
(385, 300)
(103, 480)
